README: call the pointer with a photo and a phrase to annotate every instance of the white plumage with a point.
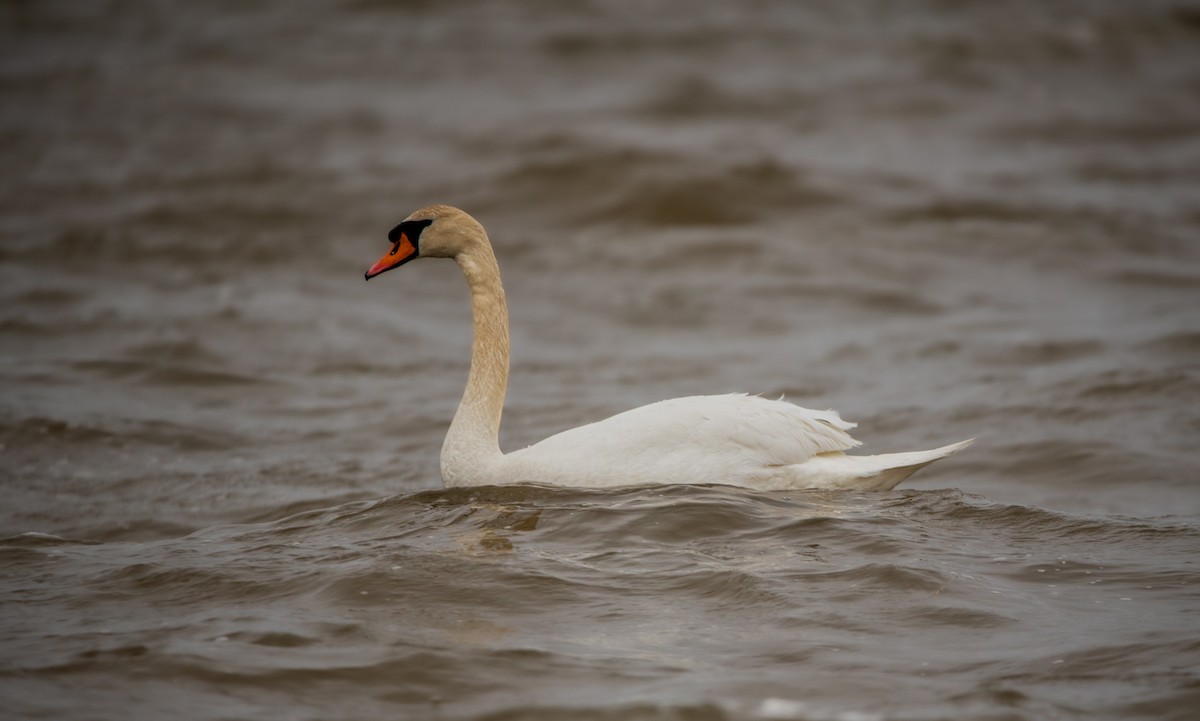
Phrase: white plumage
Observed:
(731, 439)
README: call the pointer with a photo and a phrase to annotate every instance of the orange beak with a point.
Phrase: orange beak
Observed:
(402, 251)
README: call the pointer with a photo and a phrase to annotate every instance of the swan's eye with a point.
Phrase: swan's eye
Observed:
(410, 229)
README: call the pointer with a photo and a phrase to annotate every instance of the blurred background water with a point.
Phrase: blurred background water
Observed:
(218, 446)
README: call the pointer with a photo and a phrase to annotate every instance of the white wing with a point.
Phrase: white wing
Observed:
(733, 439)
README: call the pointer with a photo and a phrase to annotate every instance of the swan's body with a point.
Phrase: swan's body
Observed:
(728, 439)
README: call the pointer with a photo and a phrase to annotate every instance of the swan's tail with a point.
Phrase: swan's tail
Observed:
(892, 468)
(869, 473)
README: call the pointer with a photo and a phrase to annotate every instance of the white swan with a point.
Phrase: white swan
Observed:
(735, 439)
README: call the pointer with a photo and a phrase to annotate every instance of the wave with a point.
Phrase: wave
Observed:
(594, 588)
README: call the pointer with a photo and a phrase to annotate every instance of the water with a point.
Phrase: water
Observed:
(219, 446)
(668, 603)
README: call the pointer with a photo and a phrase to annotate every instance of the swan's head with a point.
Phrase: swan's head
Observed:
(438, 231)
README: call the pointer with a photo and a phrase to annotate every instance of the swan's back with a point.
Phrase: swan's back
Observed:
(731, 439)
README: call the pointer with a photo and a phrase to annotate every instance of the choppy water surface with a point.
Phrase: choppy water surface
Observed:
(218, 446)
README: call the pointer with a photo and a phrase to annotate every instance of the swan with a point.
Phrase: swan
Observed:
(733, 439)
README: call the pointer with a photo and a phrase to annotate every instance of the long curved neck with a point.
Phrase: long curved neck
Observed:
(473, 441)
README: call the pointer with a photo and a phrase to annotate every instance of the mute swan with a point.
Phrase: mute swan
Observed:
(732, 439)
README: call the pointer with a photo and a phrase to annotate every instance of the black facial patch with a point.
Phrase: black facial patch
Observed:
(410, 228)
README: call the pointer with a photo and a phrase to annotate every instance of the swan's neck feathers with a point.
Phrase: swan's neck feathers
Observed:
(472, 445)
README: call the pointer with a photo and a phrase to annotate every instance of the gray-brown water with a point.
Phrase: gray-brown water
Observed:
(219, 446)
